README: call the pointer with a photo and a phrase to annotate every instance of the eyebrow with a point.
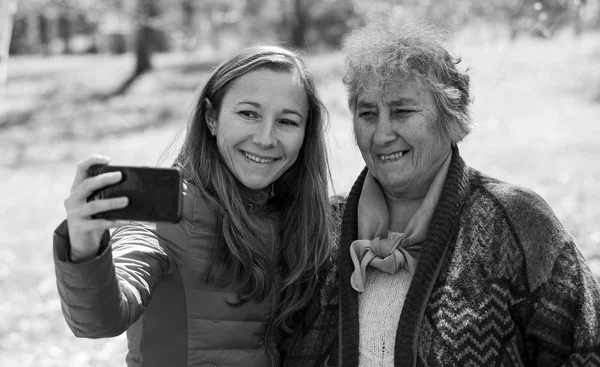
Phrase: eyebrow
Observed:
(255, 104)
(402, 101)
(396, 102)
(365, 104)
(284, 111)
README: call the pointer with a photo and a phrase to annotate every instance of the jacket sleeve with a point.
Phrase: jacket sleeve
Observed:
(559, 314)
(564, 329)
(102, 297)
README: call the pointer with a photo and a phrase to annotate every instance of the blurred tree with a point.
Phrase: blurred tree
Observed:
(331, 21)
(148, 12)
(298, 22)
(7, 11)
(43, 28)
(65, 29)
(309, 23)
(188, 12)
(39, 24)
(541, 18)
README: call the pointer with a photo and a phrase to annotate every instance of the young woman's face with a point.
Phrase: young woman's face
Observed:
(261, 124)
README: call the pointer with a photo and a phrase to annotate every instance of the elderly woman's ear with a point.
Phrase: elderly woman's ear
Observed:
(453, 77)
(463, 86)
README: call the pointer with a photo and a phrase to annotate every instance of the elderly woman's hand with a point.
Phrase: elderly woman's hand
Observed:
(85, 232)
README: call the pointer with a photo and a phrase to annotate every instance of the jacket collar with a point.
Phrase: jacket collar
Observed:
(256, 200)
(443, 225)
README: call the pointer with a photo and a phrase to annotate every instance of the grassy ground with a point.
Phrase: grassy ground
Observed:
(537, 104)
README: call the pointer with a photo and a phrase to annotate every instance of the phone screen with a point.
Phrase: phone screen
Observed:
(155, 194)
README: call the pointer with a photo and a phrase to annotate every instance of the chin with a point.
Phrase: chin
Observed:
(393, 182)
(254, 185)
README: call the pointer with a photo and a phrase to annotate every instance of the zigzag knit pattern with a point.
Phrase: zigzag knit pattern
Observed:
(486, 310)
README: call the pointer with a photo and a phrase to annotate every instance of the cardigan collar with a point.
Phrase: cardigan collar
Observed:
(443, 223)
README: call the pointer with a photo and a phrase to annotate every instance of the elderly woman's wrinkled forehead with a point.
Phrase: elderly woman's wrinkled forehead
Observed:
(405, 88)
(376, 80)
(400, 82)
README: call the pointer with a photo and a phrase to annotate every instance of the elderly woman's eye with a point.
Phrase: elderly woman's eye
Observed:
(402, 111)
(366, 114)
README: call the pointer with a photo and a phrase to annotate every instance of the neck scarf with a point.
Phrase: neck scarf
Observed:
(373, 248)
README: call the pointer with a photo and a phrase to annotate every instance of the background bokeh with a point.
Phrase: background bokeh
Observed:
(118, 77)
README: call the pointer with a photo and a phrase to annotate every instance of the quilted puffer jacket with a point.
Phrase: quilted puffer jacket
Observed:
(152, 285)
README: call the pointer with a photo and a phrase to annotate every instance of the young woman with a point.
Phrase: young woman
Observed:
(221, 286)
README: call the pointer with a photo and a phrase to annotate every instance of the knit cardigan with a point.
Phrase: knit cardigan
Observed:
(500, 282)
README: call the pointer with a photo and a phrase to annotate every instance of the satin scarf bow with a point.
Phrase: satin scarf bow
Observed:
(373, 248)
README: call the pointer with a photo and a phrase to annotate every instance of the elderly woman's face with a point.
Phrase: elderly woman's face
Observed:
(398, 138)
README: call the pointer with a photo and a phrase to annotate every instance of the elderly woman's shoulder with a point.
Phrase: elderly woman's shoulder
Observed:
(522, 206)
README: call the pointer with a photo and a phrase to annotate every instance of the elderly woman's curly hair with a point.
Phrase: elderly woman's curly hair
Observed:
(389, 51)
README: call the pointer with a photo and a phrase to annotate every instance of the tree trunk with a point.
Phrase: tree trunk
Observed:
(146, 34)
(143, 50)
(65, 30)
(44, 33)
(188, 10)
(299, 24)
(294, 22)
(144, 43)
(32, 33)
(7, 10)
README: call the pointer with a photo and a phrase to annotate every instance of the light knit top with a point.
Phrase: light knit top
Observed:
(379, 308)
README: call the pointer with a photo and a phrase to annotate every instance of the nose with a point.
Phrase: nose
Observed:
(383, 130)
(265, 135)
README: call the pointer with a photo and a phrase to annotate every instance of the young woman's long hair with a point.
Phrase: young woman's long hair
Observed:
(239, 258)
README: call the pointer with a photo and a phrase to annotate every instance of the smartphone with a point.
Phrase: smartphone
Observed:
(155, 194)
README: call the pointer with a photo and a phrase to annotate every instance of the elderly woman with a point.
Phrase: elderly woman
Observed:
(440, 264)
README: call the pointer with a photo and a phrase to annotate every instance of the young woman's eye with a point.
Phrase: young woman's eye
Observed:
(248, 114)
(288, 122)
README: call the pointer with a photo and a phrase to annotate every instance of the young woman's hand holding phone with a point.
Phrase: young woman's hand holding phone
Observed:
(85, 232)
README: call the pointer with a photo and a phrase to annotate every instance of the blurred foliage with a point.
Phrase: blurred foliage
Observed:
(535, 17)
(64, 26)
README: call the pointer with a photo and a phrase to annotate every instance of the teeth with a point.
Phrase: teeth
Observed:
(390, 156)
(256, 159)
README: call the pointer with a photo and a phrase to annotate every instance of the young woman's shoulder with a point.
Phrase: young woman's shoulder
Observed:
(196, 207)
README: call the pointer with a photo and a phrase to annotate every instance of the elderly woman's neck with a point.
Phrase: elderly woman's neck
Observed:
(402, 209)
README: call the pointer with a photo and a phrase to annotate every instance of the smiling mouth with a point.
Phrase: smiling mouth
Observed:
(392, 157)
(257, 159)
